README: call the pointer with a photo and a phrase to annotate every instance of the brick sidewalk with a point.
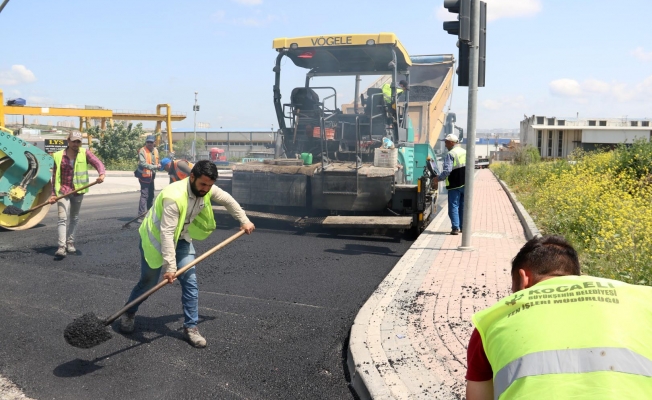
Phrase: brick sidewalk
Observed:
(409, 340)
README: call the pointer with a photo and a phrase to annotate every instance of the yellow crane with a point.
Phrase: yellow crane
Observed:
(26, 170)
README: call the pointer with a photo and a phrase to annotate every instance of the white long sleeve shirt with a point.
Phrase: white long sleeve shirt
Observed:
(170, 220)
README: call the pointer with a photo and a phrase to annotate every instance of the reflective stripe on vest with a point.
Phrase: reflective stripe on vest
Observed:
(79, 173)
(572, 361)
(150, 230)
(578, 337)
(146, 172)
(459, 162)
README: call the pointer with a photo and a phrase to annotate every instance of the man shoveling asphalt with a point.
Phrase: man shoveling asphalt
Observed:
(182, 212)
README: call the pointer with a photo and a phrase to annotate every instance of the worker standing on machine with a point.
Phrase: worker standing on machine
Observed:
(389, 99)
(70, 172)
(176, 169)
(148, 163)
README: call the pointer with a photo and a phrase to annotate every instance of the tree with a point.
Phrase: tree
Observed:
(183, 148)
(118, 143)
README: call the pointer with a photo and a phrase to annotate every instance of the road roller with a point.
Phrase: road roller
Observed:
(25, 180)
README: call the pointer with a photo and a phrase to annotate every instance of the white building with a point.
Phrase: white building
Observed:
(557, 138)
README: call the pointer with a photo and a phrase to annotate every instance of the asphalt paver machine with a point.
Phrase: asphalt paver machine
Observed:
(363, 168)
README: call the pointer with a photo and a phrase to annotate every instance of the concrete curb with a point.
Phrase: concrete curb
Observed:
(529, 226)
(366, 379)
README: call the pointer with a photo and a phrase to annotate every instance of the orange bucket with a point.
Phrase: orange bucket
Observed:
(330, 133)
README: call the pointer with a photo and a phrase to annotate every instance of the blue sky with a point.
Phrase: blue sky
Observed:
(545, 57)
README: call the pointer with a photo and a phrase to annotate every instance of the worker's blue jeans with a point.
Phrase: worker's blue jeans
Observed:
(149, 277)
(456, 207)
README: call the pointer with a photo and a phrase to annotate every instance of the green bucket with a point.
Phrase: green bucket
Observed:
(307, 158)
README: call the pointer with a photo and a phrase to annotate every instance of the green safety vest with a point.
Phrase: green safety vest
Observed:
(150, 229)
(387, 93)
(570, 337)
(79, 173)
(455, 179)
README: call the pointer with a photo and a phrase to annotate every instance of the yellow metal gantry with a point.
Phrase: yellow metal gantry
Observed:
(85, 115)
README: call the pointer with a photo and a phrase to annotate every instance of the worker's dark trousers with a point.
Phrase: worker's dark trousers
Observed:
(146, 196)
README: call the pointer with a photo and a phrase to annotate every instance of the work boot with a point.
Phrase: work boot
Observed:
(455, 231)
(61, 251)
(127, 323)
(193, 337)
(139, 220)
(70, 247)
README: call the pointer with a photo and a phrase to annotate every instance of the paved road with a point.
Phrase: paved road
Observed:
(276, 308)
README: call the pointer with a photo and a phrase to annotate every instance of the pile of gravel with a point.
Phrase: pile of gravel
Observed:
(422, 93)
(86, 331)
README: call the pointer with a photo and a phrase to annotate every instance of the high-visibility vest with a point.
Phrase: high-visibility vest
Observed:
(177, 174)
(146, 172)
(456, 178)
(79, 174)
(387, 93)
(570, 337)
(150, 229)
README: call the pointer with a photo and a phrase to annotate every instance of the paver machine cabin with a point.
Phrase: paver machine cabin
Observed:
(334, 165)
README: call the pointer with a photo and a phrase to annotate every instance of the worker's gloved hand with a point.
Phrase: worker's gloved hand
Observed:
(100, 179)
(248, 228)
(169, 276)
(52, 200)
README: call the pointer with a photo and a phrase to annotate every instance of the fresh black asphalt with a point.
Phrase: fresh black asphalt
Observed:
(276, 308)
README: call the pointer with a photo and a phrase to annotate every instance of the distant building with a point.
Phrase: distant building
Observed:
(235, 144)
(557, 138)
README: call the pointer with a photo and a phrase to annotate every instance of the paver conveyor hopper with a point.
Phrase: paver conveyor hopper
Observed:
(25, 173)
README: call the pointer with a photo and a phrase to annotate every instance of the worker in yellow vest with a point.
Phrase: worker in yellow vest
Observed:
(69, 173)
(454, 174)
(148, 163)
(181, 213)
(561, 335)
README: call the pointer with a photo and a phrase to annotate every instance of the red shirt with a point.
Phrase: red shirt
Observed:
(478, 367)
(67, 168)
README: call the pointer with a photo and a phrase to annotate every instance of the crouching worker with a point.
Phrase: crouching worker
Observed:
(561, 335)
(182, 212)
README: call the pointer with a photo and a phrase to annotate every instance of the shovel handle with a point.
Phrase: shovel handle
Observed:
(140, 216)
(164, 282)
(58, 198)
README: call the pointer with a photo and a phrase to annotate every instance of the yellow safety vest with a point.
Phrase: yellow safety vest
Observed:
(455, 179)
(387, 93)
(150, 229)
(571, 337)
(79, 173)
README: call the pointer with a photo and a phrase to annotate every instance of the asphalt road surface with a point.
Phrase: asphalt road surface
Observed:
(276, 308)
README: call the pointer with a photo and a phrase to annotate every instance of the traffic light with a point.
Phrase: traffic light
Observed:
(462, 29)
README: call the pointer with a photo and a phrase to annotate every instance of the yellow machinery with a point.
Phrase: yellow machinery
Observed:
(26, 170)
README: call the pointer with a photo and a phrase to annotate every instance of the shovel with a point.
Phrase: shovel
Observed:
(125, 226)
(88, 330)
(13, 210)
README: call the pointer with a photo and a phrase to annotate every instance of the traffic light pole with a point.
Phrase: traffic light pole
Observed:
(474, 62)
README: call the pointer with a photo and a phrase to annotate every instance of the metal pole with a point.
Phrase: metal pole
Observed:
(4, 3)
(474, 57)
(194, 123)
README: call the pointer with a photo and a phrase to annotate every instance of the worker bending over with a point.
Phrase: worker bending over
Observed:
(176, 169)
(561, 335)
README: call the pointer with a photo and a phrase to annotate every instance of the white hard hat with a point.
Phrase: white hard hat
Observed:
(451, 137)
